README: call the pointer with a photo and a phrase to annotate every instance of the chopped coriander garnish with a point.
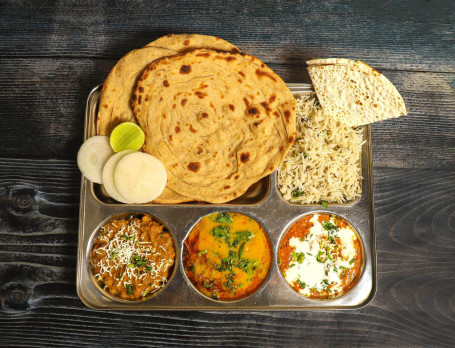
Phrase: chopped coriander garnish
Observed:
(126, 237)
(327, 250)
(209, 285)
(296, 193)
(129, 289)
(328, 225)
(291, 265)
(242, 236)
(318, 257)
(223, 218)
(352, 261)
(299, 257)
(202, 252)
(149, 268)
(324, 204)
(138, 261)
(242, 246)
(300, 283)
(220, 232)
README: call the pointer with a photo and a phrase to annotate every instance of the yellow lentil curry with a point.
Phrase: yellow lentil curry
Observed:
(227, 256)
(132, 258)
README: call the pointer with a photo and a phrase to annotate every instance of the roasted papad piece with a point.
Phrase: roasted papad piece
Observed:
(353, 92)
(219, 121)
(115, 101)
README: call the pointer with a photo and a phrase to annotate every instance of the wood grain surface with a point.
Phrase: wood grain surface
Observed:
(52, 53)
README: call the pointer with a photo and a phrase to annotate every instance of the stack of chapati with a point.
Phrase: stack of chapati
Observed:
(218, 119)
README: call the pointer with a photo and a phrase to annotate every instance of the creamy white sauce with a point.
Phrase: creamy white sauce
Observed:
(317, 271)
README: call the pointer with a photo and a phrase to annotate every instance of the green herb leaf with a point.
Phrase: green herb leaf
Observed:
(138, 261)
(209, 284)
(328, 226)
(221, 232)
(202, 252)
(247, 265)
(113, 255)
(297, 193)
(301, 284)
(291, 265)
(324, 205)
(242, 246)
(230, 280)
(318, 257)
(327, 250)
(224, 218)
(149, 268)
(299, 257)
(129, 289)
(352, 261)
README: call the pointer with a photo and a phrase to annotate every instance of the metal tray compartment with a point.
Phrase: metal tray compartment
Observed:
(263, 203)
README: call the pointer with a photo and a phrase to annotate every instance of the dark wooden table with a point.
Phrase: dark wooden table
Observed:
(52, 53)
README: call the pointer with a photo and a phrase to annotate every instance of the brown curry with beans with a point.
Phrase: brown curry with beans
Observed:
(133, 258)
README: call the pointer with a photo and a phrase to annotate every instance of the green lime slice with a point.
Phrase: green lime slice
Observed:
(127, 136)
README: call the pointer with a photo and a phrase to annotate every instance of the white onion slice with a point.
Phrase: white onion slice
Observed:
(108, 176)
(92, 156)
(140, 177)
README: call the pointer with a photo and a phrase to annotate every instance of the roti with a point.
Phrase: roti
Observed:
(218, 120)
(353, 92)
(185, 42)
(115, 101)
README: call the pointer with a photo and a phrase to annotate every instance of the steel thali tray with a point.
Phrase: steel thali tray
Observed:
(263, 203)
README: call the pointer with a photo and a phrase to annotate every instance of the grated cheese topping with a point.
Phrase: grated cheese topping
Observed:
(122, 258)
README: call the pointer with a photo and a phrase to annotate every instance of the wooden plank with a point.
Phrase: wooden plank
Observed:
(412, 307)
(48, 96)
(404, 35)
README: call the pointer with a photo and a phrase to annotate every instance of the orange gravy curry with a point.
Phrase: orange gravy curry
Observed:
(227, 256)
(320, 256)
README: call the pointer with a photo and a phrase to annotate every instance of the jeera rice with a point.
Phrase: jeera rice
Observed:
(323, 164)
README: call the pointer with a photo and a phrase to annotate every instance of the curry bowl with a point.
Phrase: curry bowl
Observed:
(131, 256)
(227, 256)
(321, 256)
